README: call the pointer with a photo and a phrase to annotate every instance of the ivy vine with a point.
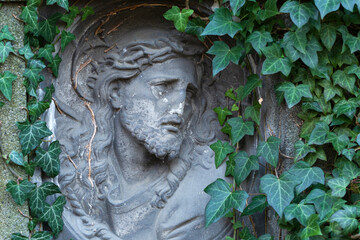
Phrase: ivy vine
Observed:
(41, 35)
(314, 47)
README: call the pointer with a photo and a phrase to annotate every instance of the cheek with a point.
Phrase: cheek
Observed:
(141, 109)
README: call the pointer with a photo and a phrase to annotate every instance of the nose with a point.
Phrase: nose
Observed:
(178, 103)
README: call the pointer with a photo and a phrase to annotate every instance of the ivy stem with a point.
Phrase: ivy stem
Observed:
(22, 214)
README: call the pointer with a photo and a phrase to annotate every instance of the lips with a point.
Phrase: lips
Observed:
(171, 123)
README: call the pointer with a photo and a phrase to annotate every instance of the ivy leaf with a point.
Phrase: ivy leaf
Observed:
(30, 16)
(297, 39)
(349, 170)
(329, 90)
(222, 113)
(49, 160)
(253, 81)
(6, 80)
(38, 197)
(346, 219)
(279, 191)
(312, 227)
(319, 134)
(17, 158)
(348, 153)
(328, 35)
(344, 80)
(302, 149)
(323, 201)
(239, 129)
(269, 150)
(353, 42)
(62, 3)
(33, 3)
(52, 214)
(33, 78)
(244, 165)
(195, 27)
(48, 29)
(5, 50)
(26, 52)
(223, 55)
(349, 4)
(353, 69)
(19, 191)
(5, 34)
(269, 11)
(31, 134)
(70, 17)
(66, 38)
(293, 94)
(87, 11)
(307, 174)
(222, 200)
(258, 204)
(338, 186)
(259, 39)
(18, 236)
(299, 13)
(236, 5)
(338, 142)
(54, 65)
(180, 18)
(275, 62)
(36, 108)
(222, 24)
(327, 6)
(42, 236)
(253, 112)
(221, 151)
(310, 57)
(300, 211)
(348, 108)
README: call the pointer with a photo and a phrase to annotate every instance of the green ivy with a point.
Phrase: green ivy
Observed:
(313, 46)
(38, 53)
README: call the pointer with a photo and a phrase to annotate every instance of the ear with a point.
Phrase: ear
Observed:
(115, 95)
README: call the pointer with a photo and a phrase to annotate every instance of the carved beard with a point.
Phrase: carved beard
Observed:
(157, 140)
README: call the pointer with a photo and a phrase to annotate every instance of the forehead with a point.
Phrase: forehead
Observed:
(182, 69)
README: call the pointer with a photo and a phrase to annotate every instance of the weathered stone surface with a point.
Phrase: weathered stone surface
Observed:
(10, 219)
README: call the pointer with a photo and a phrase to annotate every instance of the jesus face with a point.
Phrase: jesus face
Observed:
(158, 105)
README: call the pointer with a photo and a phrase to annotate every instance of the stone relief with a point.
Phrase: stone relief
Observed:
(135, 121)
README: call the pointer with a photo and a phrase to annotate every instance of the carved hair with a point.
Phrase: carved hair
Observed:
(127, 63)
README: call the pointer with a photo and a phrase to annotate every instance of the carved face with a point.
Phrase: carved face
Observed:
(157, 105)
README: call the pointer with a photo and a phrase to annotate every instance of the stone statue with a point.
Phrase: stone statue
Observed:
(135, 125)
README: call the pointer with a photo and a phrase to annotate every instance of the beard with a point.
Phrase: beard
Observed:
(157, 140)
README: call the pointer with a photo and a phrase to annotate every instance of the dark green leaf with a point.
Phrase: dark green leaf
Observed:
(180, 18)
(222, 200)
(239, 129)
(48, 29)
(87, 11)
(266, 237)
(353, 42)
(253, 112)
(253, 81)
(17, 158)
(259, 39)
(18, 236)
(222, 24)
(5, 34)
(312, 227)
(223, 55)
(221, 151)
(258, 204)
(328, 35)
(344, 80)
(5, 50)
(62, 3)
(329, 90)
(279, 191)
(49, 160)
(222, 113)
(345, 107)
(353, 69)
(66, 38)
(196, 27)
(319, 134)
(302, 149)
(6, 80)
(19, 191)
(275, 62)
(297, 39)
(327, 6)
(54, 65)
(36, 108)
(269, 11)
(323, 202)
(26, 52)
(31, 134)
(52, 214)
(349, 170)
(349, 4)
(269, 150)
(244, 164)
(42, 236)
(293, 94)
(338, 186)
(299, 13)
(338, 142)
(46, 52)
(307, 175)
(29, 15)
(310, 57)
(236, 5)
(299, 211)
(346, 218)
(38, 197)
